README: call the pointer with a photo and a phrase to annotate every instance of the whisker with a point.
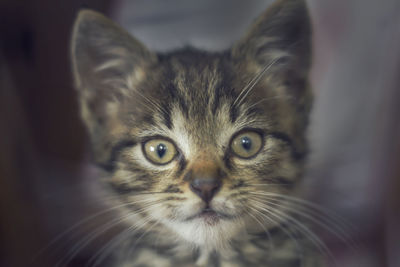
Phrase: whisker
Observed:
(72, 252)
(152, 102)
(270, 242)
(286, 231)
(125, 90)
(314, 217)
(123, 235)
(312, 206)
(268, 99)
(78, 224)
(143, 234)
(96, 233)
(244, 89)
(300, 226)
(268, 184)
(249, 87)
(106, 249)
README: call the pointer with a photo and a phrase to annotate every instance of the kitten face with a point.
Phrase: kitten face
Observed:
(193, 139)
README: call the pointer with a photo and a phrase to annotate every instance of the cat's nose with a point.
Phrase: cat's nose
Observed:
(205, 188)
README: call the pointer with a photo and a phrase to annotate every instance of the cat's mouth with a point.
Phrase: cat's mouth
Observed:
(209, 216)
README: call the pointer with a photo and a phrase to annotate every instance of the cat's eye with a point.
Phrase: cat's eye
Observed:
(246, 144)
(159, 151)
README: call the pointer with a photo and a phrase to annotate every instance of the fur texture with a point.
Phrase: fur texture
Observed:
(199, 102)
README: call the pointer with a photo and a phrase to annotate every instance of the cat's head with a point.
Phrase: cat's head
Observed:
(197, 141)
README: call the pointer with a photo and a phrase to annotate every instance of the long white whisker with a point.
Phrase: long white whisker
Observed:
(314, 217)
(78, 224)
(152, 102)
(94, 234)
(309, 234)
(286, 231)
(244, 93)
(126, 233)
(268, 99)
(105, 250)
(268, 184)
(245, 89)
(312, 206)
(270, 242)
(144, 233)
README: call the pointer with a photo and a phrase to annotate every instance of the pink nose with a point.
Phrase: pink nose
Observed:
(205, 188)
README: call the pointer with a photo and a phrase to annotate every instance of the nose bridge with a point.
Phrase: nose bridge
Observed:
(204, 168)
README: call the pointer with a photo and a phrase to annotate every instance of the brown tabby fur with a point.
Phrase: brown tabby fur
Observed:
(199, 100)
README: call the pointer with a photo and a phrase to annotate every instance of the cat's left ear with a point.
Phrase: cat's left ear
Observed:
(282, 32)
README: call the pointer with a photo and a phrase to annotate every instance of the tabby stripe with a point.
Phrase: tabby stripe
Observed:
(285, 138)
(167, 117)
(173, 189)
(124, 189)
(173, 92)
(109, 166)
(240, 183)
(281, 181)
(182, 165)
(216, 101)
(233, 113)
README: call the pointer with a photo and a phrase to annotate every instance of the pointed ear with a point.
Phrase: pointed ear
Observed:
(282, 32)
(102, 50)
(107, 62)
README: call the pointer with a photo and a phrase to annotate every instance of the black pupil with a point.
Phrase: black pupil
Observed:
(161, 150)
(246, 143)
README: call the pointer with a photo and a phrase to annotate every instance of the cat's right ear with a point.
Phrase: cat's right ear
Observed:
(107, 63)
(283, 32)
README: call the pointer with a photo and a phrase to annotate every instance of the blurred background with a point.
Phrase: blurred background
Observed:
(47, 183)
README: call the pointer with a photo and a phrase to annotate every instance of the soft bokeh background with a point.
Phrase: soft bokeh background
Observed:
(46, 184)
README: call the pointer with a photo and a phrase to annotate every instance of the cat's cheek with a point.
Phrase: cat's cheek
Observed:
(159, 212)
(222, 204)
(289, 170)
(190, 207)
(177, 210)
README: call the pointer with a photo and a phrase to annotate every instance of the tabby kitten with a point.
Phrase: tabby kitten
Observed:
(201, 149)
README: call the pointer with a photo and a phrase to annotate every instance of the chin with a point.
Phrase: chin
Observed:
(207, 231)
